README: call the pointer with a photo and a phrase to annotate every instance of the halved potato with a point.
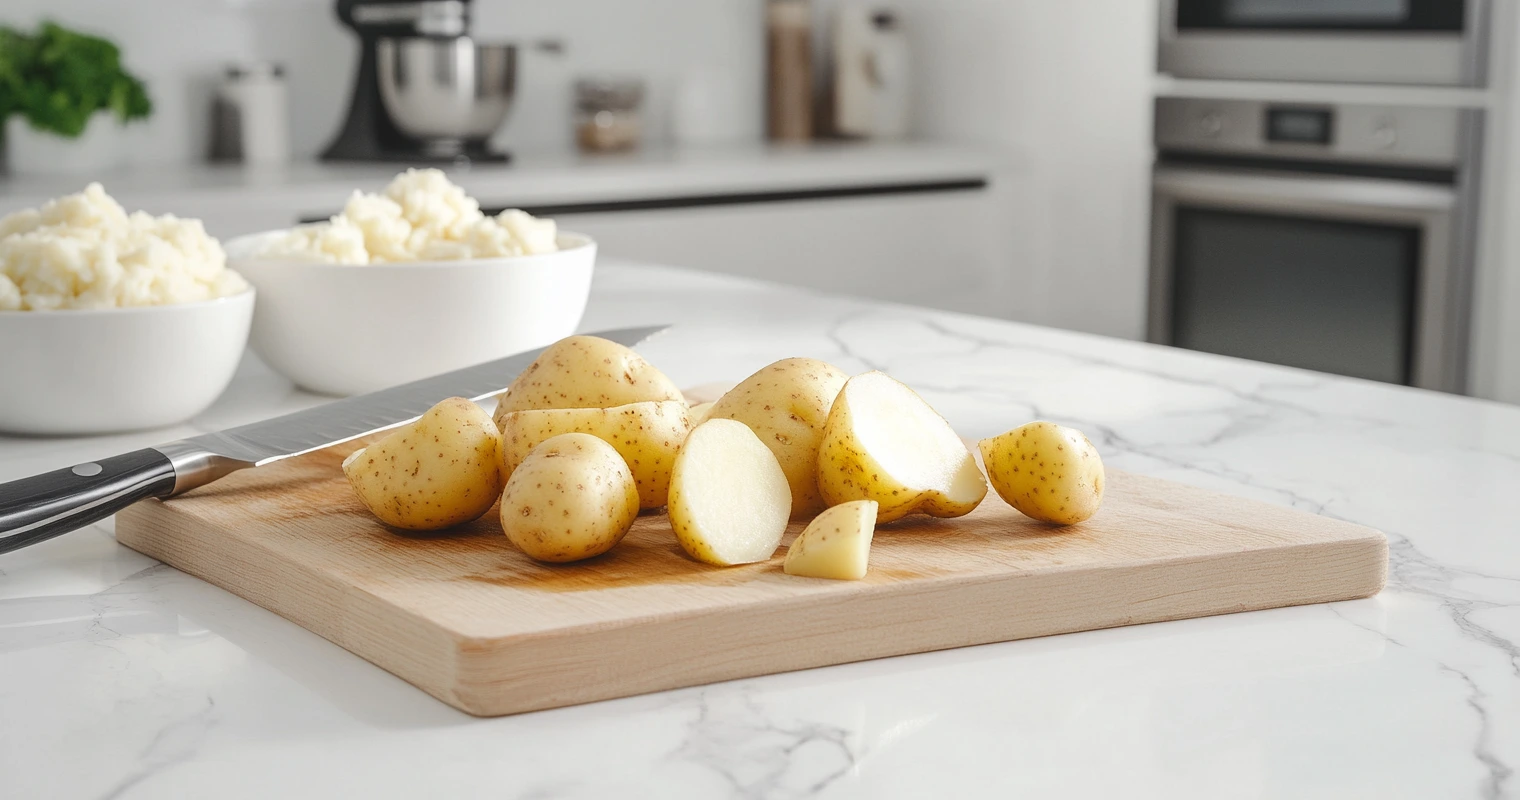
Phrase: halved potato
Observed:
(787, 404)
(884, 443)
(729, 500)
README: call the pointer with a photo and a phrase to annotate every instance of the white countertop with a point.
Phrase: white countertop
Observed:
(235, 200)
(124, 678)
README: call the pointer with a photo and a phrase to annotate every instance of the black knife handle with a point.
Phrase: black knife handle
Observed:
(43, 506)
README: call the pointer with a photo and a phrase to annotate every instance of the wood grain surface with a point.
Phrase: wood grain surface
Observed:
(471, 620)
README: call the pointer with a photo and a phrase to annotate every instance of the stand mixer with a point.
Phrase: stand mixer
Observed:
(425, 91)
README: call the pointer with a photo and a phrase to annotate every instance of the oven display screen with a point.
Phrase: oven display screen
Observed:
(1299, 125)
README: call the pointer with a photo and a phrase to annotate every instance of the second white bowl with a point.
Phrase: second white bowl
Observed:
(350, 329)
(87, 371)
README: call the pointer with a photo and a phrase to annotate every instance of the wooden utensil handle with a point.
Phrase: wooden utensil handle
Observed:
(43, 506)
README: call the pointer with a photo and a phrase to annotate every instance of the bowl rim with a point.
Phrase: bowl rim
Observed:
(246, 295)
(582, 242)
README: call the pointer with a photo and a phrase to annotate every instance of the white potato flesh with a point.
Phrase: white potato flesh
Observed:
(836, 544)
(729, 500)
(787, 405)
(884, 443)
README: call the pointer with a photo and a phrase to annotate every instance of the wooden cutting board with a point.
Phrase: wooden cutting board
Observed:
(469, 619)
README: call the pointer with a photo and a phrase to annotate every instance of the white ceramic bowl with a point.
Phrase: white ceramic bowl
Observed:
(351, 329)
(118, 369)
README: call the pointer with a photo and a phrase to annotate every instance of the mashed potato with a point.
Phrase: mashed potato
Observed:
(86, 251)
(421, 216)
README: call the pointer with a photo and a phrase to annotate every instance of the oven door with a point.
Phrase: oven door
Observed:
(1354, 276)
(1422, 42)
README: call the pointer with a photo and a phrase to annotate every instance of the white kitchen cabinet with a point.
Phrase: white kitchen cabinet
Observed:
(935, 249)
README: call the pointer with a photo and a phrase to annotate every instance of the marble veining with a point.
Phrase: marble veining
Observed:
(124, 678)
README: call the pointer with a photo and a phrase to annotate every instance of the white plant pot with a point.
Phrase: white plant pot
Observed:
(33, 152)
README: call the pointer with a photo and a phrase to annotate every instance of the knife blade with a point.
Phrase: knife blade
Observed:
(43, 506)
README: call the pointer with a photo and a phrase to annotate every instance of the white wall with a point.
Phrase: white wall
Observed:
(180, 47)
(1067, 86)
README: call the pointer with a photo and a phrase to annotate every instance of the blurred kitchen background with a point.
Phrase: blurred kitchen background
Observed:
(1323, 183)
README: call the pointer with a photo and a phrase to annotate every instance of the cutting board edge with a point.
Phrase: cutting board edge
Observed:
(554, 649)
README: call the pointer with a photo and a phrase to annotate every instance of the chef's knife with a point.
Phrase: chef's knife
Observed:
(43, 506)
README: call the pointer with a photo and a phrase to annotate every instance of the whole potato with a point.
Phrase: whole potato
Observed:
(646, 435)
(1046, 471)
(442, 470)
(787, 404)
(586, 372)
(884, 443)
(571, 498)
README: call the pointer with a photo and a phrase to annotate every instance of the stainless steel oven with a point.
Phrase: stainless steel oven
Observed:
(1331, 237)
(1421, 42)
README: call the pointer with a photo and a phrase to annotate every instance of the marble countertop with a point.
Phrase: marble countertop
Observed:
(124, 678)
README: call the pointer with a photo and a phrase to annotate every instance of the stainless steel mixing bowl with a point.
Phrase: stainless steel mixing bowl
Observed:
(447, 91)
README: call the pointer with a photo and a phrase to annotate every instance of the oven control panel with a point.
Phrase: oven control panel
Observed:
(1410, 135)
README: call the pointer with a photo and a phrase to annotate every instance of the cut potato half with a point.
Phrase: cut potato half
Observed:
(836, 544)
(882, 442)
(729, 499)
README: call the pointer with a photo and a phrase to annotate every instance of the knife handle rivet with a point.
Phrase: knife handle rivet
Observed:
(89, 469)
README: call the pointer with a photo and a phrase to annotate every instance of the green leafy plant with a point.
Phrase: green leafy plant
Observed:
(57, 79)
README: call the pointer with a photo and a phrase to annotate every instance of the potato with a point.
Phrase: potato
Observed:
(573, 497)
(586, 372)
(786, 404)
(836, 544)
(1046, 471)
(700, 413)
(442, 470)
(646, 435)
(884, 443)
(729, 500)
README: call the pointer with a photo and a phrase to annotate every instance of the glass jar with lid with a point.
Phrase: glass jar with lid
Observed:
(607, 113)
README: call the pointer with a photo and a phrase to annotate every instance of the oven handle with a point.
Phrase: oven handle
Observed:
(1361, 198)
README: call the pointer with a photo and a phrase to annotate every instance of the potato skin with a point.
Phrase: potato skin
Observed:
(787, 405)
(440, 471)
(586, 372)
(572, 498)
(646, 435)
(1046, 471)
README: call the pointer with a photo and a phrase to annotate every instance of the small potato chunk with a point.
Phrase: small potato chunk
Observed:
(1046, 471)
(442, 470)
(836, 544)
(571, 498)
(787, 404)
(586, 372)
(884, 443)
(729, 501)
(646, 435)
